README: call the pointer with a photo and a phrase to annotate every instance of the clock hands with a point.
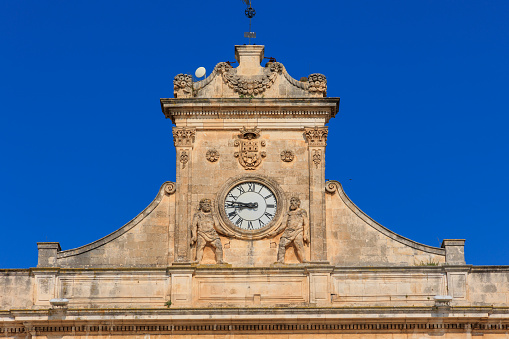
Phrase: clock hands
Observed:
(242, 204)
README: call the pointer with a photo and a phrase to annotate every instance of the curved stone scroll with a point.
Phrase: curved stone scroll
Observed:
(167, 188)
(333, 186)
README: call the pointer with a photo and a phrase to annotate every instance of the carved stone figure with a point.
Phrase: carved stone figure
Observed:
(296, 232)
(203, 232)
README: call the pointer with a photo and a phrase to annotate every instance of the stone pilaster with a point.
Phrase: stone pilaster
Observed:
(317, 140)
(183, 139)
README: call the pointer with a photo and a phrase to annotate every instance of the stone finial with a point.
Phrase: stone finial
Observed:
(454, 251)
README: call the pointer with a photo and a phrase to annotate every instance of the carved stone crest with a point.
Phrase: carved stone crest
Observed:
(287, 156)
(249, 154)
(212, 155)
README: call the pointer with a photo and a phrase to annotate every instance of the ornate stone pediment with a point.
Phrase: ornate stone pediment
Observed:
(250, 80)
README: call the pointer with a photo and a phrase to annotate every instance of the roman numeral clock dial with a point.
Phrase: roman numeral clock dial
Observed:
(250, 205)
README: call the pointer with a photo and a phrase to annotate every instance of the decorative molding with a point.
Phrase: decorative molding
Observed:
(183, 136)
(212, 155)
(439, 326)
(249, 153)
(184, 158)
(287, 156)
(317, 157)
(183, 86)
(316, 136)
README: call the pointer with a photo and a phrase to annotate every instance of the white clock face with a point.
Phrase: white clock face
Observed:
(250, 205)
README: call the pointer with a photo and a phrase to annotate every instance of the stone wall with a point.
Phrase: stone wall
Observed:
(16, 289)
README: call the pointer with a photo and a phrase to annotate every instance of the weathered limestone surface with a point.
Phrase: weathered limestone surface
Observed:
(360, 280)
(16, 289)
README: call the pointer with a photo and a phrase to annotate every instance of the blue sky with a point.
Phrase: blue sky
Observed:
(420, 143)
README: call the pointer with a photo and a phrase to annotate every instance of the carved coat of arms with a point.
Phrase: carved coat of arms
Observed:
(249, 153)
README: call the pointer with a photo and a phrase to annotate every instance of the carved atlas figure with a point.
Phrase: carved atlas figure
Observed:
(203, 231)
(296, 232)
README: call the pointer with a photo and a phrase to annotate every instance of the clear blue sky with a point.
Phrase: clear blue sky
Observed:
(420, 143)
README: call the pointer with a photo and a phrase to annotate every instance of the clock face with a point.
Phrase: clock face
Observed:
(250, 205)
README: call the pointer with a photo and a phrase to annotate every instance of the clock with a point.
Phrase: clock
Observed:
(250, 206)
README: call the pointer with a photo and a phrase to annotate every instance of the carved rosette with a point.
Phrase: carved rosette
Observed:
(287, 156)
(252, 85)
(183, 86)
(249, 149)
(316, 136)
(183, 136)
(212, 155)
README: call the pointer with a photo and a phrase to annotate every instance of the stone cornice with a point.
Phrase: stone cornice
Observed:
(256, 320)
(250, 107)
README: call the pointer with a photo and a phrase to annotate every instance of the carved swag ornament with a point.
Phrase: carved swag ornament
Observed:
(249, 153)
(249, 86)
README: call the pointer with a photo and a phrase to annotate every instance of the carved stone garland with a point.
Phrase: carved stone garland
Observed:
(184, 158)
(249, 153)
(317, 157)
(249, 86)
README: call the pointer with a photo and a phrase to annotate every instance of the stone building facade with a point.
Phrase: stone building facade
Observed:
(251, 241)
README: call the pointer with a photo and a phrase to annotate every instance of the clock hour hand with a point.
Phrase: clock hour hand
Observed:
(242, 204)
